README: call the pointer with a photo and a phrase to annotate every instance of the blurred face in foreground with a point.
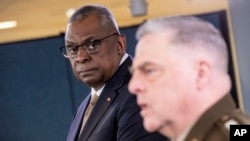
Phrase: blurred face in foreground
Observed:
(163, 83)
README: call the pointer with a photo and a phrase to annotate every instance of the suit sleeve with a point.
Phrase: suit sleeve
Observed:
(130, 124)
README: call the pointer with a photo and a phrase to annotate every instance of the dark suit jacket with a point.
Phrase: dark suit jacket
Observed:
(115, 116)
(213, 124)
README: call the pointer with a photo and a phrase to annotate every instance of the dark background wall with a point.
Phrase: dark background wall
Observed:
(34, 91)
(38, 93)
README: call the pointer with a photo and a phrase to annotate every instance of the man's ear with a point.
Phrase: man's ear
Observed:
(203, 71)
(121, 44)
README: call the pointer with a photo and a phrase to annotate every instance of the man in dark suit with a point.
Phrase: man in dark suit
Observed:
(180, 77)
(96, 51)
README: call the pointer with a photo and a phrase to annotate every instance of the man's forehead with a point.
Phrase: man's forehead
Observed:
(82, 33)
(149, 58)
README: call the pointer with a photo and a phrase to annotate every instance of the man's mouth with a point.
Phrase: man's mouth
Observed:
(87, 72)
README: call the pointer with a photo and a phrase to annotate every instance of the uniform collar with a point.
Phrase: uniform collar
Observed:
(209, 118)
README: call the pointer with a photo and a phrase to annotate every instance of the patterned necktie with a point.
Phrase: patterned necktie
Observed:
(92, 102)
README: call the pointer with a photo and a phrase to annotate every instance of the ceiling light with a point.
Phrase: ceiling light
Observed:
(138, 7)
(70, 12)
(8, 24)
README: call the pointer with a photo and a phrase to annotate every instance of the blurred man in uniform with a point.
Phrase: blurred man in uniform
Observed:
(180, 77)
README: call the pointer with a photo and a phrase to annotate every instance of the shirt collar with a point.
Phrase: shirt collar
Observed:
(125, 56)
(98, 92)
(184, 134)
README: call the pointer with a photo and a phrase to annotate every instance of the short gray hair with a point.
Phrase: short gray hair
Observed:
(102, 12)
(189, 30)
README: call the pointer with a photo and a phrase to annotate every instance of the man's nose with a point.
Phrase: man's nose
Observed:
(82, 55)
(135, 84)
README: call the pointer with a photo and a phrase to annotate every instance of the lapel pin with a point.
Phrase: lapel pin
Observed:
(108, 99)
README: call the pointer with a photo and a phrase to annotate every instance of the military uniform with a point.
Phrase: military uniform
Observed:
(214, 123)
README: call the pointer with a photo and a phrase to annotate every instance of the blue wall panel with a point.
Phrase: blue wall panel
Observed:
(34, 91)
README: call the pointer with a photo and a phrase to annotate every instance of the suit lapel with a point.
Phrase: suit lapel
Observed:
(106, 98)
(75, 128)
(99, 110)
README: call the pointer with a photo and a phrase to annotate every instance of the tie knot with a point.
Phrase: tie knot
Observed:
(93, 99)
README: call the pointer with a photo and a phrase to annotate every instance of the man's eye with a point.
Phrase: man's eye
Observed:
(72, 49)
(93, 45)
(149, 71)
